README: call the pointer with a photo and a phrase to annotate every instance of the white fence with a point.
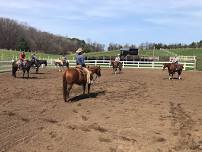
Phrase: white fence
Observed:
(6, 65)
(185, 58)
(130, 64)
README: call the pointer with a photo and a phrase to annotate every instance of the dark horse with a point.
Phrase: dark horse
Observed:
(38, 63)
(77, 76)
(61, 64)
(116, 66)
(172, 68)
(25, 67)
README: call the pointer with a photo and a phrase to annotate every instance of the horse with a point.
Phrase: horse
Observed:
(61, 64)
(25, 67)
(77, 76)
(172, 68)
(116, 66)
(38, 63)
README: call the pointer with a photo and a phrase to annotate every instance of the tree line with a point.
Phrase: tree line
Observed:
(158, 46)
(20, 36)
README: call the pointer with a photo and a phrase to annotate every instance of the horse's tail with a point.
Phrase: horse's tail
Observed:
(14, 69)
(65, 87)
(67, 65)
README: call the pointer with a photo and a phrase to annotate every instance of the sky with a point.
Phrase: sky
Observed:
(112, 21)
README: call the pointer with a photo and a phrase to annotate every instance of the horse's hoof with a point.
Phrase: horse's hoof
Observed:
(67, 100)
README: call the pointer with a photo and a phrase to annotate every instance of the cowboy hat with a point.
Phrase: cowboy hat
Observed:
(79, 50)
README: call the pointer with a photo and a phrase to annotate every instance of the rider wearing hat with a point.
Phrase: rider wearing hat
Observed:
(80, 61)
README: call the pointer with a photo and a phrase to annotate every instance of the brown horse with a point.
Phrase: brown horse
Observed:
(77, 76)
(172, 68)
(116, 66)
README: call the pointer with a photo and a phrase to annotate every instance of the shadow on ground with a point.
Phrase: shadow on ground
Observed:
(85, 96)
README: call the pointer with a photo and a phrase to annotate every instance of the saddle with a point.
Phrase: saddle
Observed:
(82, 73)
(18, 62)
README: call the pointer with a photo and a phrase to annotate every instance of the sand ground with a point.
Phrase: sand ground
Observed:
(136, 111)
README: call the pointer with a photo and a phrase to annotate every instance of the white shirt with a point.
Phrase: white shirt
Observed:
(117, 59)
(175, 60)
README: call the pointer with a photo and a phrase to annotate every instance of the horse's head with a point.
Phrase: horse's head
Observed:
(95, 70)
(165, 65)
(181, 66)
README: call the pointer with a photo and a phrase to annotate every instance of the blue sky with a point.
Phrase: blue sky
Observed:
(116, 21)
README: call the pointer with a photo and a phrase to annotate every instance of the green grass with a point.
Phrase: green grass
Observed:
(9, 55)
(172, 52)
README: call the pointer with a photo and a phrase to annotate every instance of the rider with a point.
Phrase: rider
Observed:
(22, 59)
(34, 57)
(175, 61)
(80, 61)
(64, 59)
(117, 59)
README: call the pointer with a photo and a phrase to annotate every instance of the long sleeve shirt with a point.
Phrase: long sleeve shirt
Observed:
(80, 60)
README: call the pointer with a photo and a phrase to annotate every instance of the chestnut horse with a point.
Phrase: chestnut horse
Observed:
(77, 76)
(172, 68)
(116, 66)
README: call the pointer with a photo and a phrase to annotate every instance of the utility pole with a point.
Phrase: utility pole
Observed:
(153, 51)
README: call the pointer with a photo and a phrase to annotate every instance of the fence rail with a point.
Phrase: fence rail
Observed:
(6, 65)
(129, 64)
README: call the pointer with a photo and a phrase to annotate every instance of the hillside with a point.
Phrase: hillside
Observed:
(19, 36)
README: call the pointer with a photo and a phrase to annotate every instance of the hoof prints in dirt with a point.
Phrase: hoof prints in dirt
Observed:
(182, 126)
(93, 126)
(124, 88)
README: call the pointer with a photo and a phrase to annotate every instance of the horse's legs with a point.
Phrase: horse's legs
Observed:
(69, 87)
(28, 73)
(66, 89)
(37, 69)
(89, 88)
(84, 88)
(179, 73)
(23, 73)
(169, 76)
(14, 69)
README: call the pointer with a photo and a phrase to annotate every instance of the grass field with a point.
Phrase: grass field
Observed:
(9, 55)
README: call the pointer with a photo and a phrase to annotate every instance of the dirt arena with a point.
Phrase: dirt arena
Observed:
(136, 111)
